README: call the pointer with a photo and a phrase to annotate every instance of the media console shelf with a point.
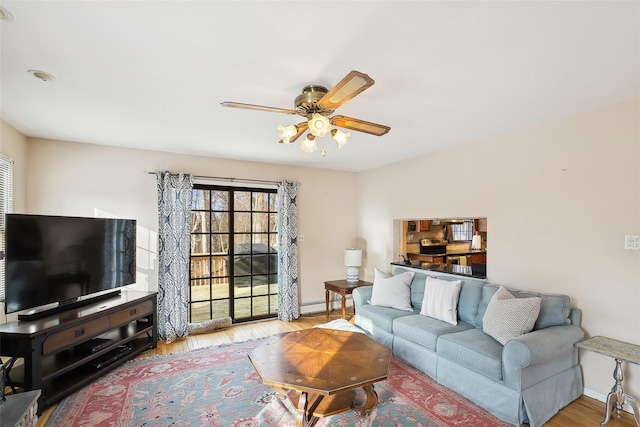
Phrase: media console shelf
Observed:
(67, 350)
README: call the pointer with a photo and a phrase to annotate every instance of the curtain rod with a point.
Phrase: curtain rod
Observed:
(222, 178)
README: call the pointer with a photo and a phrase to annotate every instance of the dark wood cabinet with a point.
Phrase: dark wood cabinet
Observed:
(65, 351)
(419, 225)
(424, 225)
(480, 225)
(479, 258)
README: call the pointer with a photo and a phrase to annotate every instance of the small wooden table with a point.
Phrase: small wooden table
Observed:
(318, 370)
(343, 288)
(620, 351)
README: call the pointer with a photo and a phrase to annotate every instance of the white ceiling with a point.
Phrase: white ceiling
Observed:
(152, 74)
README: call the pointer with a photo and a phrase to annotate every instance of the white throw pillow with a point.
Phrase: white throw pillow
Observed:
(440, 299)
(379, 274)
(393, 291)
(508, 317)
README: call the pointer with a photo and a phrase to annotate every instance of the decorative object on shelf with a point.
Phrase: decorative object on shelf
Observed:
(353, 261)
(476, 242)
(316, 103)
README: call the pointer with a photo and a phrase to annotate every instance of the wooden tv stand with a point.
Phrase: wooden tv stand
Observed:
(60, 351)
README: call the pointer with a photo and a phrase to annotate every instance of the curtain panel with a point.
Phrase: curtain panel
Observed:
(288, 306)
(174, 249)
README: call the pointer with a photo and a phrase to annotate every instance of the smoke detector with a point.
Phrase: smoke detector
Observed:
(45, 77)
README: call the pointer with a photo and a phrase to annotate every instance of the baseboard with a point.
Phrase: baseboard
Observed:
(315, 307)
(603, 398)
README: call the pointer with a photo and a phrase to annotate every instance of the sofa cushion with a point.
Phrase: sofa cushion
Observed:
(473, 349)
(441, 299)
(378, 317)
(394, 291)
(487, 294)
(554, 308)
(417, 290)
(470, 294)
(508, 317)
(425, 330)
(470, 297)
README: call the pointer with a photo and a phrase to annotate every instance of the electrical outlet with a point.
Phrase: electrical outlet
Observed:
(301, 238)
(632, 242)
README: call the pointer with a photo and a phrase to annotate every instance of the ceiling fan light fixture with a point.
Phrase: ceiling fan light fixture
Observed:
(317, 105)
(340, 137)
(286, 133)
(309, 144)
(319, 125)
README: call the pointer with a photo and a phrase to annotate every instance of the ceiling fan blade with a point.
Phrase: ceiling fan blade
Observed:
(258, 107)
(351, 85)
(360, 125)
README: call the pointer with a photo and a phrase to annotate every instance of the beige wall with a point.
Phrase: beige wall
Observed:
(14, 145)
(68, 178)
(558, 198)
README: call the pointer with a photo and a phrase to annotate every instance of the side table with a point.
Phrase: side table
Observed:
(619, 350)
(343, 288)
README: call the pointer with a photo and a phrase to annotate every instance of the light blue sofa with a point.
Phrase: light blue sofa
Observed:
(528, 380)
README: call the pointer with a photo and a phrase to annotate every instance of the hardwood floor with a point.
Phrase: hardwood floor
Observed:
(584, 411)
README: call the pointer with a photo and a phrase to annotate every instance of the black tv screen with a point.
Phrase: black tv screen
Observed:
(56, 259)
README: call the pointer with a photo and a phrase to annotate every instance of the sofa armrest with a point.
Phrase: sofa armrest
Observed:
(575, 316)
(360, 296)
(540, 346)
(537, 347)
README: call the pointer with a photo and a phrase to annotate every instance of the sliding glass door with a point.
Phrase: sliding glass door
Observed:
(234, 253)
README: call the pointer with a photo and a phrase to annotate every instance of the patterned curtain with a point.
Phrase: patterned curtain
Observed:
(174, 249)
(288, 307)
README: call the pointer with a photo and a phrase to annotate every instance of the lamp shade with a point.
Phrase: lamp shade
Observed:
(286, 133)
(319, 125)
(353, 257)
(340, 137)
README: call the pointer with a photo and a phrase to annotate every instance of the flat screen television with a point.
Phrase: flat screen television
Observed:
(54, 261)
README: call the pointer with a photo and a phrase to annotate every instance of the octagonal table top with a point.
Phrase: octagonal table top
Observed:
(322, 361)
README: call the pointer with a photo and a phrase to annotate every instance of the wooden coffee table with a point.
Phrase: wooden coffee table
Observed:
(319, 369)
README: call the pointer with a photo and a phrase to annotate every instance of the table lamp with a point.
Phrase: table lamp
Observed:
(353, 261)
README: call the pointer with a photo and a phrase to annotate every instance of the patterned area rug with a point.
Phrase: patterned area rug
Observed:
(218, 386)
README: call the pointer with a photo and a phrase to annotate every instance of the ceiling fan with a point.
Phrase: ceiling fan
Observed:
(316, 104)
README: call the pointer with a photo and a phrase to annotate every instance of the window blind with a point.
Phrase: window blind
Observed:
(6, 206)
